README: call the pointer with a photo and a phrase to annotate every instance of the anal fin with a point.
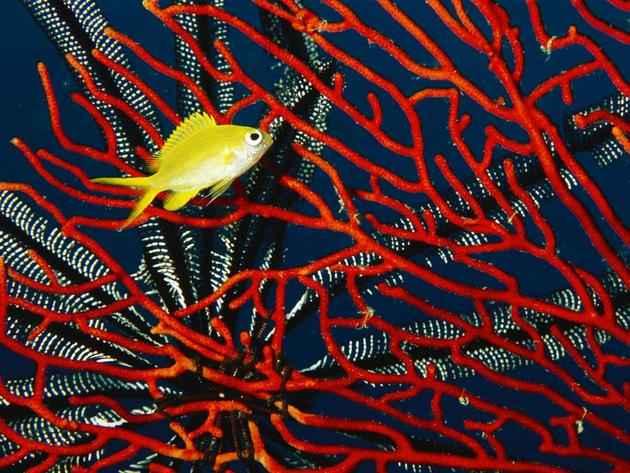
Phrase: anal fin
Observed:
(176, 200)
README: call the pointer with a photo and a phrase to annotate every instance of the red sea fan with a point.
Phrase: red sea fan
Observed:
(428, 270)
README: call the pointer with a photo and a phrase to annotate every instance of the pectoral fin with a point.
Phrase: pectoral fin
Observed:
(176, 200)
(219, 188)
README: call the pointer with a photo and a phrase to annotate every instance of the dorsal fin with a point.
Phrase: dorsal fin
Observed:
(195, 123)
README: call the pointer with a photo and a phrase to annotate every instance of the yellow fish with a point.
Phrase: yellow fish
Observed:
(198, 154)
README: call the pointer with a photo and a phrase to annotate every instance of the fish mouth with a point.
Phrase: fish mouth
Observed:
(267, 139)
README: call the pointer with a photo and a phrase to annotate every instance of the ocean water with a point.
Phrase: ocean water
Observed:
(24, 114)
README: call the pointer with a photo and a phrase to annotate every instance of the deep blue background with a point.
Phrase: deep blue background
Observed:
(23, 113)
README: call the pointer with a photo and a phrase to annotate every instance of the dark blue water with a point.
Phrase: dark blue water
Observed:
(23, 113)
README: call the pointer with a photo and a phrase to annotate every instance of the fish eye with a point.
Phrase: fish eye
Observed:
(253, 138)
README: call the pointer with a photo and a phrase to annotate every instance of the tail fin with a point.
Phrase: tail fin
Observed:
(142, 204)
(142, 181)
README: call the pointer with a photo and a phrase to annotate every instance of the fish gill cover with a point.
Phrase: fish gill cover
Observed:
(427, 272)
